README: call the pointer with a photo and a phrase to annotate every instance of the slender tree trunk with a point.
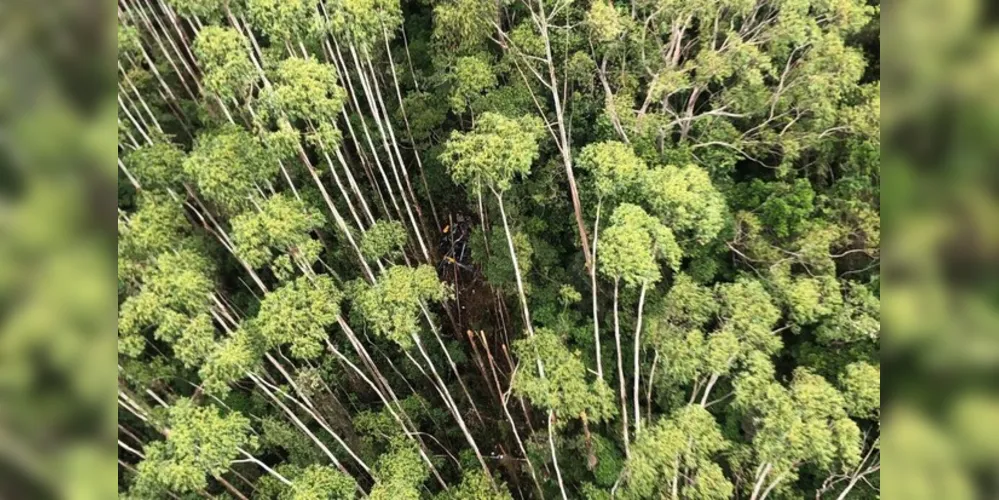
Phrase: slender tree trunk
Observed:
(593, 287)
(516, 267)
(551, 444)
(637, 355)
(622, 391)
(457, 414)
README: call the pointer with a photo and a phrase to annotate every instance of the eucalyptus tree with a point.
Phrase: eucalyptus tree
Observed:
(392, 307)
(490, 156)
(678, 457)
(230, 168)
(199, 442)
(634, 244)
(806, 422)
(564, 389)
(278, 236)
(618, 175)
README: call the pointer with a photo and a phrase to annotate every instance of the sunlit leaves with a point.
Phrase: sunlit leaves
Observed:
(565, 388)
(158, 225)
(383, 239)
(318, 481)
(175, 292)
(200, 441)
(605, 22)
(633, 245)
(616, 169)
(157, 166)
(306, 89)
(282, 226)
(686, 200)
(472, 76)
(209, 9)
(229, 362)
(400, 472)
(223, 53)
(463, 23)
(282, 19)
(857, 319)
(681, 449)
(364, 21)
(749, 312)
(229, 165)
(861, 384)
(494, 152)
(475, 484)
(391, 307)
(806, 422)
(298, 313)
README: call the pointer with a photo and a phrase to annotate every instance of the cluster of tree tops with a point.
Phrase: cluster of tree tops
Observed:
(676, 242)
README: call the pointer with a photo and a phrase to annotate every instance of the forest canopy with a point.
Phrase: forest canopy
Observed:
(458, 249)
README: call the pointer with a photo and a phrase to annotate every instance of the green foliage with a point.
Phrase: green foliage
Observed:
(805, 423)
(201, 8)
(861, 385)
(400, 472)
(298, 314)
(610, 461)
(858, 318)
(199, 441)
(475, 484)
(306, 89)
(229, 362)
(686, 200)
(158, 225)
(278, 434)
(749, 312)
(564, 389)
(383, 239)
(318, 481)
(174, 299)
(783, 208)
(282, 19)
(472, 76)
(157, 166)
(463, 24)
(282, 226)
(605, 22)
(129, 41)
(228, 165)
(364, 22)
(425, 112)
(633, 244)
(391, 307)
(731, 149)
(617, 171)
(497, 266)
(497, 150)
(682, 448)
(224, 56)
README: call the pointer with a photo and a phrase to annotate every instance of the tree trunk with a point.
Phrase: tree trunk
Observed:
(638, 352)
(620, 373)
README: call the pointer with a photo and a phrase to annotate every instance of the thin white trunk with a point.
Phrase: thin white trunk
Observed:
(620, 373)
(593, 287)
(516, 267)
(457, 414)
(551, 444)
(638, 351)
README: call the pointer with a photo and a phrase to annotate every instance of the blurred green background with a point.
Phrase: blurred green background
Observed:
(57, 295)
(941, 307)
(58, 186)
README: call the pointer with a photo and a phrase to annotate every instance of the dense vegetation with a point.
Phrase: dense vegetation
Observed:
(518, 249)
